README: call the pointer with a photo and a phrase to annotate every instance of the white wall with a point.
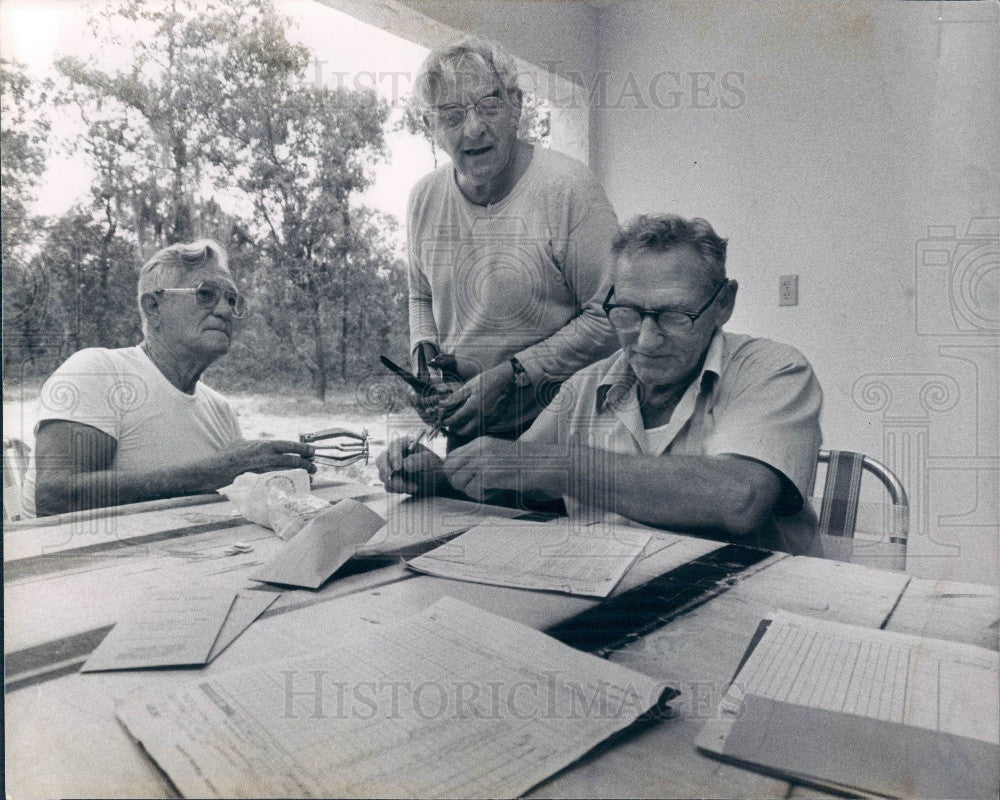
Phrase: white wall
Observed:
(850, 129)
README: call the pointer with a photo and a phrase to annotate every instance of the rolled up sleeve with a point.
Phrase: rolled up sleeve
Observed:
(587, 269)
(770, 413)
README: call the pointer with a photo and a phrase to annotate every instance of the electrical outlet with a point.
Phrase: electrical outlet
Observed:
(788, 290)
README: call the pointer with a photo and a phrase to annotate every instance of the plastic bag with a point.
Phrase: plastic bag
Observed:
(248, 492)
(288, 514)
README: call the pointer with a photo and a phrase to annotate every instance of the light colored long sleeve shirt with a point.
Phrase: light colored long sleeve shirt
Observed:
(524, 277)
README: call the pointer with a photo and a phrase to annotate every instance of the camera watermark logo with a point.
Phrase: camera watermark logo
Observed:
(940, 428)
(958, 280)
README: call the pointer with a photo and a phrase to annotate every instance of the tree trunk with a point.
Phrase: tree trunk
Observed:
(343, 340)
(319, 383)
(319, 376)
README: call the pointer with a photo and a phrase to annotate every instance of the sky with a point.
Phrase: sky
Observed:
(37, 32)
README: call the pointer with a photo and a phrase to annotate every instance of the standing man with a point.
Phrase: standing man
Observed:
(509, 253)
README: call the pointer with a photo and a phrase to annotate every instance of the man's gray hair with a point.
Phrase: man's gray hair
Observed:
(663, 232)
(449, 63)
(168, 267)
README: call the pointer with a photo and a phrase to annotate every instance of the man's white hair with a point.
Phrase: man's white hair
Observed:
(453, 63)
(168, 267)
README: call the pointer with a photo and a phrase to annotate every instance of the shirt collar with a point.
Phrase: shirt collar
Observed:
(620, 380)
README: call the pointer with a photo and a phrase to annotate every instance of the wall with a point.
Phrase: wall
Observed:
(826, 139)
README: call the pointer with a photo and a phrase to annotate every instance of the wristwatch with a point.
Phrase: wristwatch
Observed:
(521, 378)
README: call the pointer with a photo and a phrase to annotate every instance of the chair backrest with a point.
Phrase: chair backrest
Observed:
(885, 529)
(15, 464)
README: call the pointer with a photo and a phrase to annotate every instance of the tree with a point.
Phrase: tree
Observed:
(534, 126)
(88, 268)
(299, 153)
(212, 106)
(22, 161)
(149, 123)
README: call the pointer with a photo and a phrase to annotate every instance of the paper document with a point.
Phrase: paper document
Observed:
(818, 699)
(549, 556)
(451, 702)
(322, 546)
(173, 628)
(417, 520)
(343, 491)
(246, 608)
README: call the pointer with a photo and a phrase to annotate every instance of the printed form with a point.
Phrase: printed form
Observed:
(550, 556)
(451, 702)
(173, 628)
(842, 700)
(417, 520)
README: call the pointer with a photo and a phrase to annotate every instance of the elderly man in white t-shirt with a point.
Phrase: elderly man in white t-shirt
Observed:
(136, 423)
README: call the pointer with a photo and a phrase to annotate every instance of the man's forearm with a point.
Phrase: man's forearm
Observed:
(586, 338)
(421, 318)
(57, 494)
(694, 493)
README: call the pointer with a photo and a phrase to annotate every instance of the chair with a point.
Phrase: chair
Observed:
(15, 464)
(884, 529)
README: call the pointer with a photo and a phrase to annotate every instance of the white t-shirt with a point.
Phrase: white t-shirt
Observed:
(122, 393)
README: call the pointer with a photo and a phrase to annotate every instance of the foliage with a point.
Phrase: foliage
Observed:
(298, 153)
(22, 162)
(21, 143)
(210, 129)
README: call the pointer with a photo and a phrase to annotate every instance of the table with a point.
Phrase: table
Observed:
(67, 581)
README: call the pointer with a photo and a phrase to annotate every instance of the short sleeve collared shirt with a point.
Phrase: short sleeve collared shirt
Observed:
(754, 398)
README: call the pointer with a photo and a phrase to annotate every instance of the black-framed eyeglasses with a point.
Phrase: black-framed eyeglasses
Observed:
(668, 320)
(453, 115)
(207, 295)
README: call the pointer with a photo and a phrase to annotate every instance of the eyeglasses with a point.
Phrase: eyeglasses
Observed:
(669, 320)
(453, 115)
(207, 295)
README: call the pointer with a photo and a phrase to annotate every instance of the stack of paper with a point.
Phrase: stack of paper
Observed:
(451, 702)
(183, 627)
(856, 709)
(548, 556)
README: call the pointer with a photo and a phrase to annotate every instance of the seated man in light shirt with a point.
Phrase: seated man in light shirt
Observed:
(687, 427)
(136, 423)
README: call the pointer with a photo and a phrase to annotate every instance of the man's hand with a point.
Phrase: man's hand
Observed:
(428, 367)
(428, 405)
(259, 455)
(487, 465)
(470, 409)
(409, 468)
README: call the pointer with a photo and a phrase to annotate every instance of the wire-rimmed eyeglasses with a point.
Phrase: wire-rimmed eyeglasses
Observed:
(453, 115)
(669, 320)
(207, 295)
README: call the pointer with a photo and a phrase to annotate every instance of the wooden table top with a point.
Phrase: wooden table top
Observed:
(68, 580)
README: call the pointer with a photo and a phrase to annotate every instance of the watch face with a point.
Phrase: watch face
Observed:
(521, 378)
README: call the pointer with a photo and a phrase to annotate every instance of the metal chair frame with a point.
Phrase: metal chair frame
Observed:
(892, 484)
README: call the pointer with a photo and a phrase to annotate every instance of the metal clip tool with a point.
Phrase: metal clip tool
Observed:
(351, 448)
